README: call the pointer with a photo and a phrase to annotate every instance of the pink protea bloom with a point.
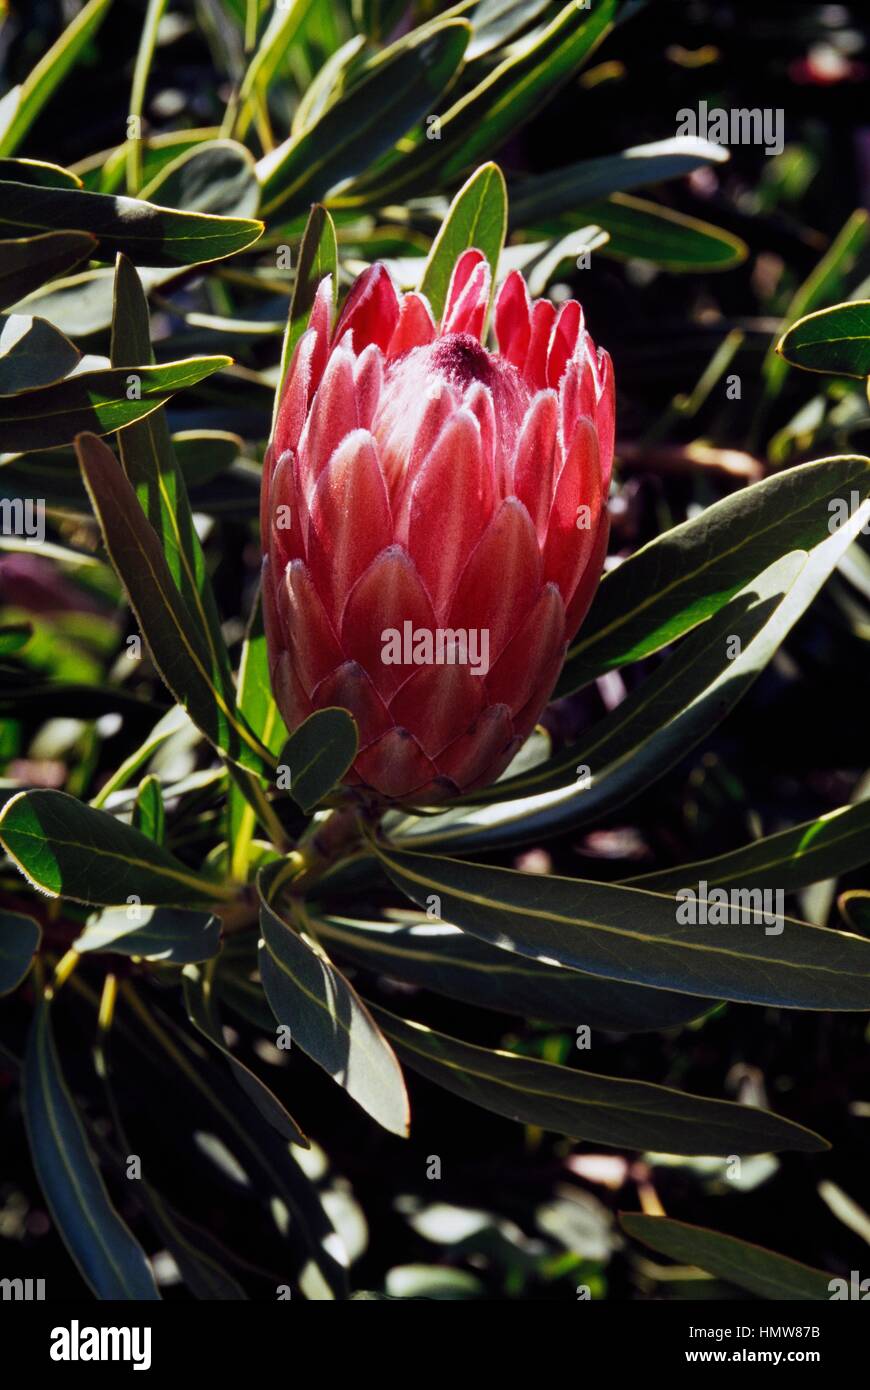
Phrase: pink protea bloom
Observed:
(434, 523)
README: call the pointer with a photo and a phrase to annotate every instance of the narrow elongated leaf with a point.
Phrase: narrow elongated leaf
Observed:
(156, 933)
(109, 1258)
(199, 1258)
(247, 801)
(171, 723)
(402, 87)
(318, 257)
(32, 354)
(82, 303)
(318, 755)
(588, 1107)
(38, 172)
(69, 850)
(750, 1267)
(148, 813)
(826, 281)
(327, 85)
(496, 21)
(637, 936)
(150, 235)
(218, 177)
(231, 1115)
(658, 723)
(833, 844)
(148, 33)
(151, 466)
(478, 218)
(835, 340)
(177, 645)
(640, 230)
(48, 73)
(692, 570)
(203, 1014)
(327, 1019)
(562, 190)
(482, 119)
(285, 22)
(451, 962)
(98, 401)
(19, 942)
(27, 262)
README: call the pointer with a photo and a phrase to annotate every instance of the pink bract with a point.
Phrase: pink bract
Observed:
(415, 477)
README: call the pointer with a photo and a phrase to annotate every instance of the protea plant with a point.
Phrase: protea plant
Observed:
(332, 963)
(434, 522)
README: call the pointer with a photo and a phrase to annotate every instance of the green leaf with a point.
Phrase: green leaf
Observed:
(477, 218)
(496, 21)
(658, 723)
(172, 723)
(27, 262)
(836, 340)
(69, 850)
(157, 933)
(148, 814)
(826, 281)
(202, 1011)
(688, 573)
(563, 190)
(81, 304)
(217, 177)
(318, 257)
(199, 1258)
(110, 1260)
(632, 935)
(32, 354)
(401, 87)
(247, 802)
(176, 642)
(448, 961)
(20, 111)
(326, 1018)
(641, 230)
(148, 35)
(318, 755)
(14, 636)
(327, 85)
(591, 1108)
(37, 172)
(150, 235)
(19, 942)
(257, 1147)
(151, 467)
(826, 847)
(275, 45)
(855, 907)
(97, 401)
(748, 1266)
(255, 692)
(482, 119)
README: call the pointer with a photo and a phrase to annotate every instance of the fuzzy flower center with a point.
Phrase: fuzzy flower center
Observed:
(427, 385)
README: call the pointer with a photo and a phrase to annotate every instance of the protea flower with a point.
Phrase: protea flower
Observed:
(434, 523)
